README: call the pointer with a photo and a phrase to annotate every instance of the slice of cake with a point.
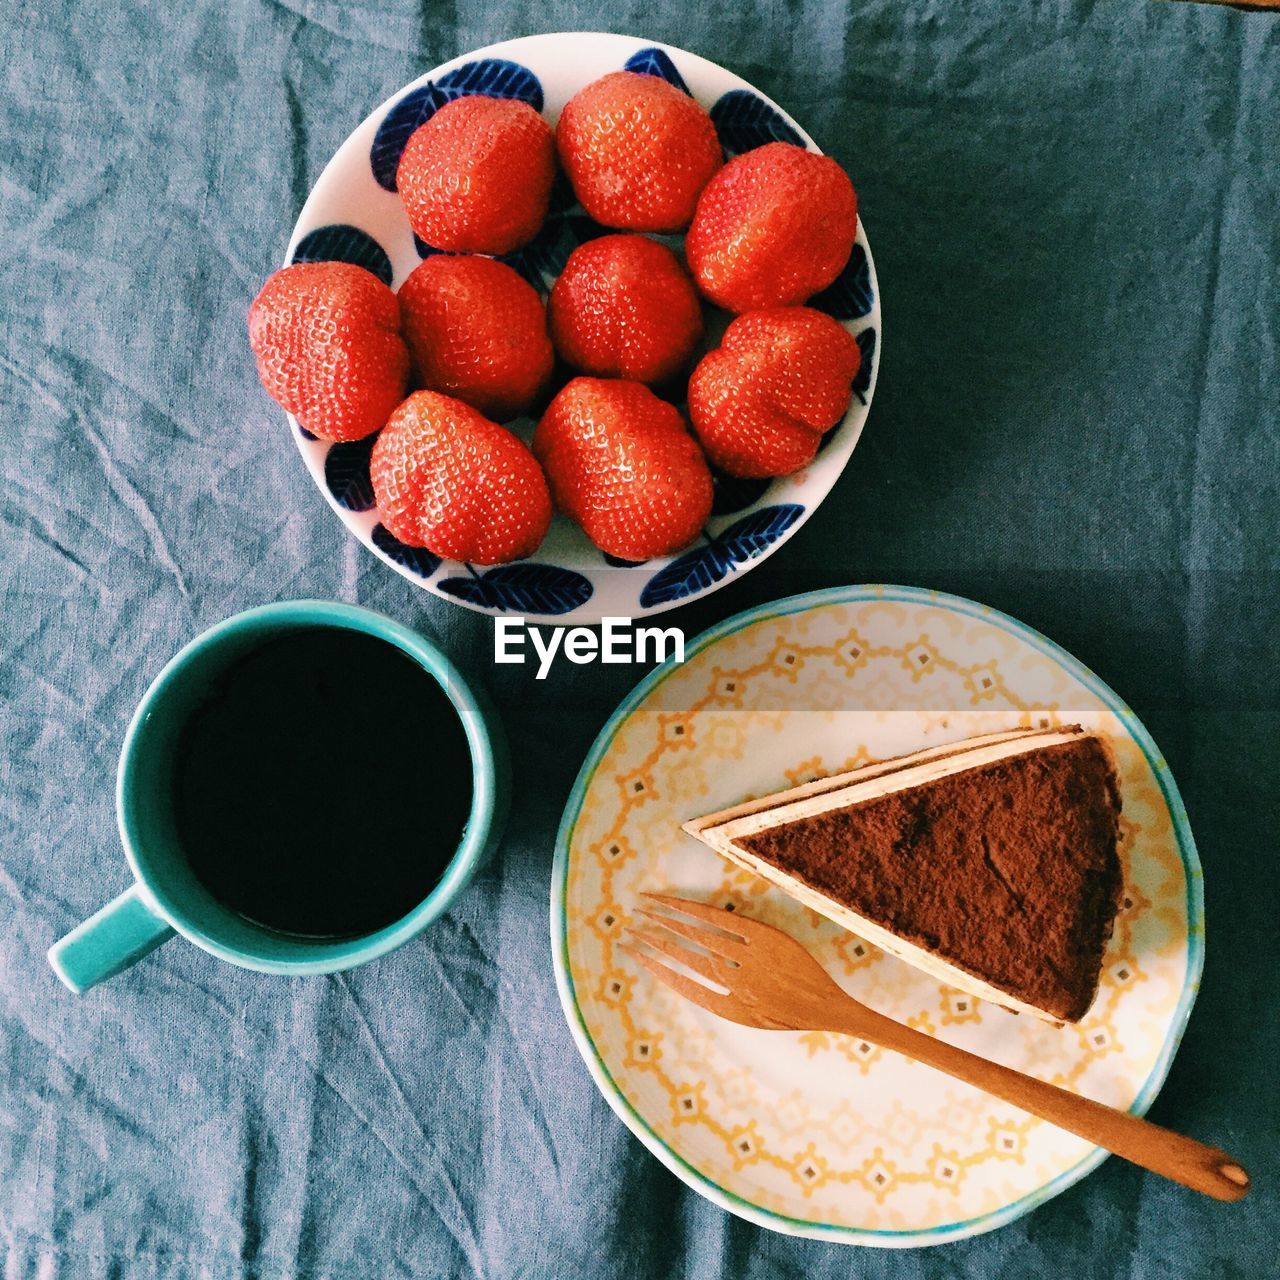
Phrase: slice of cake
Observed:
(989, 863)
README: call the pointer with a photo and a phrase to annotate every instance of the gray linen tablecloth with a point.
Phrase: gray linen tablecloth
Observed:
(1074, 214)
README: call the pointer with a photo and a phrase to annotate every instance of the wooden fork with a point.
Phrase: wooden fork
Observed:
(767, 979)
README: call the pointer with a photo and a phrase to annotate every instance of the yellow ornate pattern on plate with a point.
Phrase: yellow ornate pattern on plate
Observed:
(819, 1128)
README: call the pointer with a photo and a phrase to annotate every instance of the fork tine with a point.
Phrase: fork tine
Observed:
(716, 916)
(704, 966)
(713, 1001)
(696, 933)
(743, 927)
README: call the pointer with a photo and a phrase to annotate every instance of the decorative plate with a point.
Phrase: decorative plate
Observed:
(354, 215)
(824, 1135)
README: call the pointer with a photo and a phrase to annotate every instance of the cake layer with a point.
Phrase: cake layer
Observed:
(865, 772)
(991, 863)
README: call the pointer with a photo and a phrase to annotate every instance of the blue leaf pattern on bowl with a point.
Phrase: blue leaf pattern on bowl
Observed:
(346, 472)
(656, 62)
(849, 297)
(522, 588)
(702, 567)
(744, 121)
(304, 433)
(862, 381)
(424, 249)
(397, 127)
(493, 77)
(416, 559)
(734, 493)
(340, 242)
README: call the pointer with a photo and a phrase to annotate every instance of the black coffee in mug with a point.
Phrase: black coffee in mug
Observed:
(323, 785)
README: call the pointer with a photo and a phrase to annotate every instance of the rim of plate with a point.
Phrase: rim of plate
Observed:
(851, 425)
(730, 1200)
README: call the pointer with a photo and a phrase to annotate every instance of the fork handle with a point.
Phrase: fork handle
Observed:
(1193, 1164)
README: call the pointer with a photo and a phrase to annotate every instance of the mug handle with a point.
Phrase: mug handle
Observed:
(110, 940)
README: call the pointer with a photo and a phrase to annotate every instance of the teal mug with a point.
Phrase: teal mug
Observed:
(166, 898)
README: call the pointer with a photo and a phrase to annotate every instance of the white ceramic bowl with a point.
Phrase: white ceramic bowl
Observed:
(354, 214)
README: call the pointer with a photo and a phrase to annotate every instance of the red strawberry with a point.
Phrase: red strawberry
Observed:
(477, 331)
(762, 400)
(624, 307)
(448, 479)
(327, 339)
(622, 465)
(773, 227)
(476, 178)
(638, 151)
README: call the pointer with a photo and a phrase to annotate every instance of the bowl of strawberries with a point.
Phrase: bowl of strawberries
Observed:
(574, 326)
